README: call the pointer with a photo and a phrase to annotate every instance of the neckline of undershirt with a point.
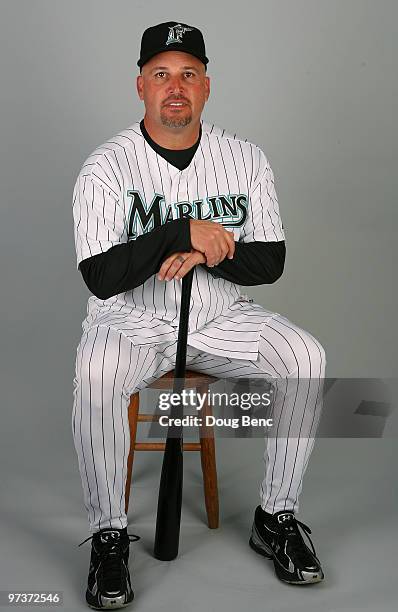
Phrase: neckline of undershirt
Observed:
(180, 158)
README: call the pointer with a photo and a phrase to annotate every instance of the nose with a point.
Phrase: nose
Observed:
(175, 85)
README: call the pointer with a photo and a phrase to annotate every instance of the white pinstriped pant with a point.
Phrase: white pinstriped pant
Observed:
(109, 368)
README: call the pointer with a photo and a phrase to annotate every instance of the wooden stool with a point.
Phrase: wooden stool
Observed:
(206, 446)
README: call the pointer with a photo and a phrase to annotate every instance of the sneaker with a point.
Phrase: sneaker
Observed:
(277, 537)
(109, 584)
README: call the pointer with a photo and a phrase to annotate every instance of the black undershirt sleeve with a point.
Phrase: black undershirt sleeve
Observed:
(126, 266)
(254, 263)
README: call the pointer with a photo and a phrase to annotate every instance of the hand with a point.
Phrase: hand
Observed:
(179, 264)
(213, 240)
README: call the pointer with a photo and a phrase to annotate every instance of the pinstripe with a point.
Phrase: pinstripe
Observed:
(243, 162)
(252, 164)
(113, 420)
(139, 170)
(233, 159)
(224, 166)
(102, 182)
(133, 335)
(276, 461)
(314, 423)
(102, 422)
(178, 185)
(207, 196)
(269, 214)
(91, 431)
(113, 170)
(285, 458)
(126, 445)
(307, 376)
(88, 244)
(81, 450)
(148, 165)
(214, 166)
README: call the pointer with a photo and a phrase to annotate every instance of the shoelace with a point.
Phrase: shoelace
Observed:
(129, 535)
(110, 554)
(291, 529)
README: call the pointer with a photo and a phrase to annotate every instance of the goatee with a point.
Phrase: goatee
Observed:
(175, 122)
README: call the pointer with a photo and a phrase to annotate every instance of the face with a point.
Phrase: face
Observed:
(174, 88)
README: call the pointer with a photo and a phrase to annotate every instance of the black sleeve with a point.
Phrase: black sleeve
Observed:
(253, 263)
(126, 266)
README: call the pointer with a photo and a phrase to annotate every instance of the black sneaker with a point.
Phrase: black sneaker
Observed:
(109, 584)
(277, 537)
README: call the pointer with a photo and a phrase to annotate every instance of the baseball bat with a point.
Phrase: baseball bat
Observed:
(168, 517)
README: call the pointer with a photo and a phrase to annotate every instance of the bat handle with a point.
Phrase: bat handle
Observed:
(181, 356)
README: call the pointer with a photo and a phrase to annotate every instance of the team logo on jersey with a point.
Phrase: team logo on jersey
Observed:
(228, 209)
(176, 33)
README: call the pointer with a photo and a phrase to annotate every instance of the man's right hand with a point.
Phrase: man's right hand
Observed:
(213, 240)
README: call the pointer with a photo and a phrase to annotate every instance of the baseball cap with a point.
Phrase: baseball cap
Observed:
(172, 36)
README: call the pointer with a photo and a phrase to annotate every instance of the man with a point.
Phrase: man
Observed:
(165, 195)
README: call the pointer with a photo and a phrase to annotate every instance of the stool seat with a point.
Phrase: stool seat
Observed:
(193, 380)
(206, 444)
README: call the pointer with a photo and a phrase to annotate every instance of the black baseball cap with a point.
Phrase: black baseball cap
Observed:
(172, 36)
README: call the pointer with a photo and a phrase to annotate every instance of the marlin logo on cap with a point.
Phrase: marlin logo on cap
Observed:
(175, 33)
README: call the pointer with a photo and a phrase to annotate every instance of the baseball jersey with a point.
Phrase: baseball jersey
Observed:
(125, 189)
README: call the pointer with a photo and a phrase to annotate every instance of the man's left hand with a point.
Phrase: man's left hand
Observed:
(179, 264)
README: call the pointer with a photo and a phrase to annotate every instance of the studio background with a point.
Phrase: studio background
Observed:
(312, 83)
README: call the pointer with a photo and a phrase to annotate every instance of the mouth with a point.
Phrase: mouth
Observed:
(176, 104)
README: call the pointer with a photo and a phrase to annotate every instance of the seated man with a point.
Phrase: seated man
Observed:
(165, 195)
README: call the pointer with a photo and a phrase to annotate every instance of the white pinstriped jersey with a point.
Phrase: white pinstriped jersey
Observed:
(125, 189)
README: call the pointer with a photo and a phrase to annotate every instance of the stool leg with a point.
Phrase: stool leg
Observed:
(133, 418)
(208, 461)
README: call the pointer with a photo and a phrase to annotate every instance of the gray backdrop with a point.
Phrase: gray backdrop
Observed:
(312, 82)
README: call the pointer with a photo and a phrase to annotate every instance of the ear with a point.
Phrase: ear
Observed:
(140, 87)
(207, 87)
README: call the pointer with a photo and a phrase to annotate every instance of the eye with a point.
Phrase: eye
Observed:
(157, 74)
(189, 74)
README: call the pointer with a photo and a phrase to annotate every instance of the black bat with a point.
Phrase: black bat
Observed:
(170, 488)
